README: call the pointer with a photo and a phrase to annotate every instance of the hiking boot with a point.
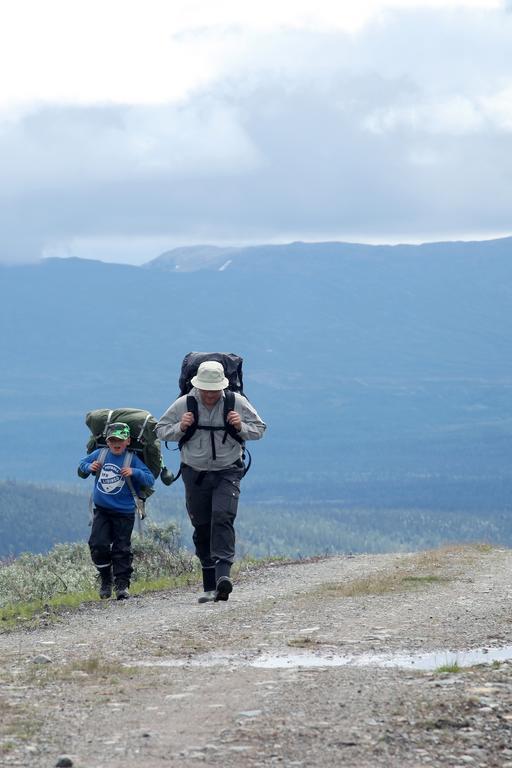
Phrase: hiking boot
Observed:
(105, 575)
(105, 590)
(224, 588)
(122, 593)
(207, 597)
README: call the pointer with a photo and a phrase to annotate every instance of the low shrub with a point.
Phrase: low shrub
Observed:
(68, 569)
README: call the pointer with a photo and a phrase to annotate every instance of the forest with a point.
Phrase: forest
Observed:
(33, 518)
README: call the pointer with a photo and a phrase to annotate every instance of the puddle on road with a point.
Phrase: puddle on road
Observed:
(403, 660)
(319, 659)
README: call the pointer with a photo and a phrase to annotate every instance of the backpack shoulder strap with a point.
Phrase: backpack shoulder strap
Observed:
(229, 402)
(193, 406)
(194, 409)
(229, 405)
(101, 458)
(139, 503)
(127, 461)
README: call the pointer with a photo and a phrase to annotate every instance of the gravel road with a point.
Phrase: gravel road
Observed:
(291, 671)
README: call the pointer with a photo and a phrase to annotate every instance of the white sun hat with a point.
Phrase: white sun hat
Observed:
(210, 376)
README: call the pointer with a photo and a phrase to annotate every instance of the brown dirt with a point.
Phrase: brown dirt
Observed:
(94, 702)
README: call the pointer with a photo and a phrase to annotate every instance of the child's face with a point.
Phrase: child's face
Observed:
(117, 446)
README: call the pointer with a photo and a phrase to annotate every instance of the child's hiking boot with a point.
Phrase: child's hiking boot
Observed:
(207, 597)
(122, 591)
(224, 588)
(106, 583)
(105, 590)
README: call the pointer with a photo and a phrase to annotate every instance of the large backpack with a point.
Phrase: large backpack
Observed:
(232, 365)
(142, 432)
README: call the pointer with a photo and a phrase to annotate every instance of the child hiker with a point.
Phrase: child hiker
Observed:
(116, 469)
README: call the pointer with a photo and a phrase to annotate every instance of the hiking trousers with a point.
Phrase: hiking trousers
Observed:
(212, 504)
(110, 544)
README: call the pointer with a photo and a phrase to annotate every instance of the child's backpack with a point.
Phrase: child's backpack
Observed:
(143, 438)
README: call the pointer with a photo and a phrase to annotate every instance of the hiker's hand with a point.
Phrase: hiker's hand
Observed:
(126, 471)
(96, 466)
(234, 419)
(186, 421)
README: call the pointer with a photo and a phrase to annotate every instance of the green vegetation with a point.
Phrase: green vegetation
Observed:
(39, 587)
(451, 668)
(34, 519)
(416, 572)
(305, 529)
(419, 581)
(18, 724)
(65, 578)
(89, 670)
(303, 642)
(380, 584)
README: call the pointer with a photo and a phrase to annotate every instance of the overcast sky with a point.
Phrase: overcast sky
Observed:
(128, 127)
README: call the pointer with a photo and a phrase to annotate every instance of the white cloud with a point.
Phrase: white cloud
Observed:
(65, 146)
(290, 122)
(156, 51)
(498, 108)
(456, 116)
(424, 156)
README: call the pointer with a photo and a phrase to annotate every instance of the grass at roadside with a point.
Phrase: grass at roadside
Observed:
(18, 725)
(425, 569)
(91, 670)
(38, 589)
(36, 611)
(21, 722)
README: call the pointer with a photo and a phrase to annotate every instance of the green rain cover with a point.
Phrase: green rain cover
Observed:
(142, 432)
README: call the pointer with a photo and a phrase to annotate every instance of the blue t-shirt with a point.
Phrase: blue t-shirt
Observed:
(110, 487)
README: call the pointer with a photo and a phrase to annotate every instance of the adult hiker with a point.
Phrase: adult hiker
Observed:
(211, 445)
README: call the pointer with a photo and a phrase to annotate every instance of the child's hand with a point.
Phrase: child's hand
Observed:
(127, 471)
(95, 466)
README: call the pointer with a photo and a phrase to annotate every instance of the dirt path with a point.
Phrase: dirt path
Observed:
(223, 685)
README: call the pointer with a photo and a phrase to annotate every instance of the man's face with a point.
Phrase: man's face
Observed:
(117, 446)
(210, 396)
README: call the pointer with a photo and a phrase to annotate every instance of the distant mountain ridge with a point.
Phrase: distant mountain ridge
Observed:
(212, 257)
(374, 366)
(194, 257)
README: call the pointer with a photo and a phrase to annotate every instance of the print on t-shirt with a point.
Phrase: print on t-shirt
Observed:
(110, 480)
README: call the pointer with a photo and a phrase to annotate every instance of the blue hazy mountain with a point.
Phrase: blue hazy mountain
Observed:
(384, 373)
